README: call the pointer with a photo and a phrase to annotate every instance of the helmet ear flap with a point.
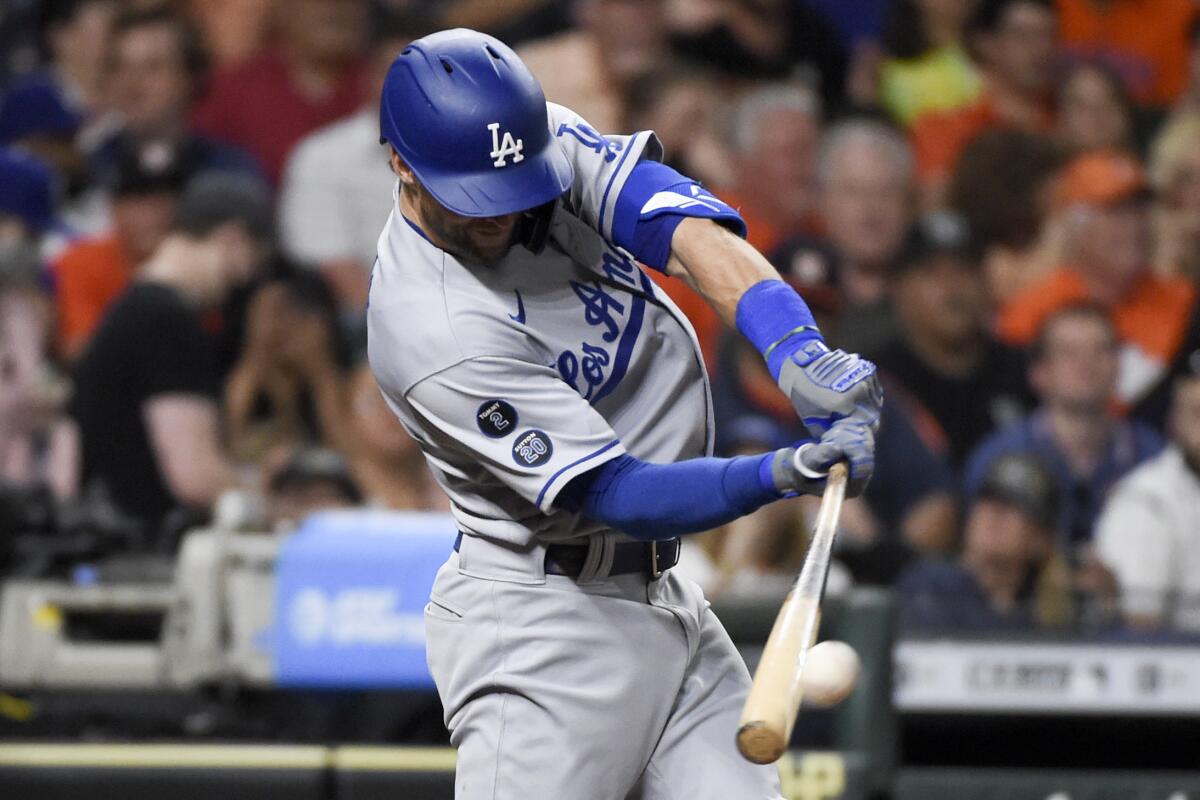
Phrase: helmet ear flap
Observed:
(534, 227)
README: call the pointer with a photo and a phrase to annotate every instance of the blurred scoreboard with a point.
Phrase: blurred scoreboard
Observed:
(1046, 678)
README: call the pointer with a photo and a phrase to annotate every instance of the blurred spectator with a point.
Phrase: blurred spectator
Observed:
(1074, 431)
(756, 556)
(1002, 186)
(45, 112)
(773, 39)
(337, 190)
(311, 78)
(384, 459)
(1188, 101)
(775, 133)
(1149, 533)
(1144, 41)
(907, 507)
(285, 390)
(1175, 176)
(588, 68)
(1103, 202)
(865, 173)
(74, 35)
(35, 446)
(233, 30)
(861, 20)
(927, 66)
(18, 40)
(154, 70)
(511, 22)
(681, 104)
(146, 387)
(93, 272)
(27, 213)
(1014, 44)
(1094, 111)
(969, 383)
(312, 480)
(1007, 578)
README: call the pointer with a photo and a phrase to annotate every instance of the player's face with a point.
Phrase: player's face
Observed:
(481, 240)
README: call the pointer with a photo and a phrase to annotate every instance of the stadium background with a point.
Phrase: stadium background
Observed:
(998, 200)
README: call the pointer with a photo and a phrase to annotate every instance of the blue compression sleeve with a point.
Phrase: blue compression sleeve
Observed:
(778, 322)
(662, 501)
(652, 203)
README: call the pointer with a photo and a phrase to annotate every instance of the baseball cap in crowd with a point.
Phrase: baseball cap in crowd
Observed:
(1101, 178)
(212, 199)
(1024, 481)
(36, 107)
(146, 170)
(26, 189)
(810, 266)
(317, 466)
(938, 233)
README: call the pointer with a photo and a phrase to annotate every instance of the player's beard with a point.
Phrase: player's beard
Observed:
(486, 251)
(473, 240)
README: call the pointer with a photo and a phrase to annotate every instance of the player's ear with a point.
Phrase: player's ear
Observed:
(401, 169)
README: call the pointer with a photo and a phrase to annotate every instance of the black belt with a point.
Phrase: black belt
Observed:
(649, 558)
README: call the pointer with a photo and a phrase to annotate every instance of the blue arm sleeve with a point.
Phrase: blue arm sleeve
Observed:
(652, 203)
(662, 501)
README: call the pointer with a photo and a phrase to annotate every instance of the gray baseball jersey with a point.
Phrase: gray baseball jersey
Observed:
(516, 378)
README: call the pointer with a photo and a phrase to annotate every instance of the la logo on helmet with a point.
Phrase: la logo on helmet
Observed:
(503, 148)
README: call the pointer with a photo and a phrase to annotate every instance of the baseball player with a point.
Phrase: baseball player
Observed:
(561, 401)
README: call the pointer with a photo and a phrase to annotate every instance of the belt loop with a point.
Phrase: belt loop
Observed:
(599, 559)
(655, 572)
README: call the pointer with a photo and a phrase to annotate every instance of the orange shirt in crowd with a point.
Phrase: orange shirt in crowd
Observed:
(939, 137)
(1146, 41)
(1152, 317)
(88, 277)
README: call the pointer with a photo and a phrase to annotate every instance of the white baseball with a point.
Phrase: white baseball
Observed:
(830, 672)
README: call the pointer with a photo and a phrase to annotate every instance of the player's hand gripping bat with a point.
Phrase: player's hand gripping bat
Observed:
(770, 710)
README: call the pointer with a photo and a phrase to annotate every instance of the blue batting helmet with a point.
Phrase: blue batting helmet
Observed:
(470, 120)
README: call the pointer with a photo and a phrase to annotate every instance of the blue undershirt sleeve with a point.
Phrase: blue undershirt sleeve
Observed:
(662, 501)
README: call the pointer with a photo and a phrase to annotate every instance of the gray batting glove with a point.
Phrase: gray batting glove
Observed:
(826, 386)
(804, 469)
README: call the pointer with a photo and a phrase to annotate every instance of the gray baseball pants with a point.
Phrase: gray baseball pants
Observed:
(605, 688)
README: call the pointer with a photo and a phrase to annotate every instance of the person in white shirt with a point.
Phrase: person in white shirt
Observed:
(336, 192)
(1149, 532)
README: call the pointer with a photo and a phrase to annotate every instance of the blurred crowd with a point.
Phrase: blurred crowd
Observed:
(996, 200)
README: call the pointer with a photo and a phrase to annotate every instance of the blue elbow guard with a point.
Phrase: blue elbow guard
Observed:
(653, 201)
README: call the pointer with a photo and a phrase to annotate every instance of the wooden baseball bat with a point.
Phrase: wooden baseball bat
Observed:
(770, 711)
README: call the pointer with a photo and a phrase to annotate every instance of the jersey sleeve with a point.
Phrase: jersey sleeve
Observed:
(602, 164)
(518, 420)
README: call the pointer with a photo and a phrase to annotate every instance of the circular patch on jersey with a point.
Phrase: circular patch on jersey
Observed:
(532, 449)
(496, 418)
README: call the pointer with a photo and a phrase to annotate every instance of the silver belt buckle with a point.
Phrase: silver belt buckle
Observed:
(655, 572)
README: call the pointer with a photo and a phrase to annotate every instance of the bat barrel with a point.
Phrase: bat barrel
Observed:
(760, 743)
